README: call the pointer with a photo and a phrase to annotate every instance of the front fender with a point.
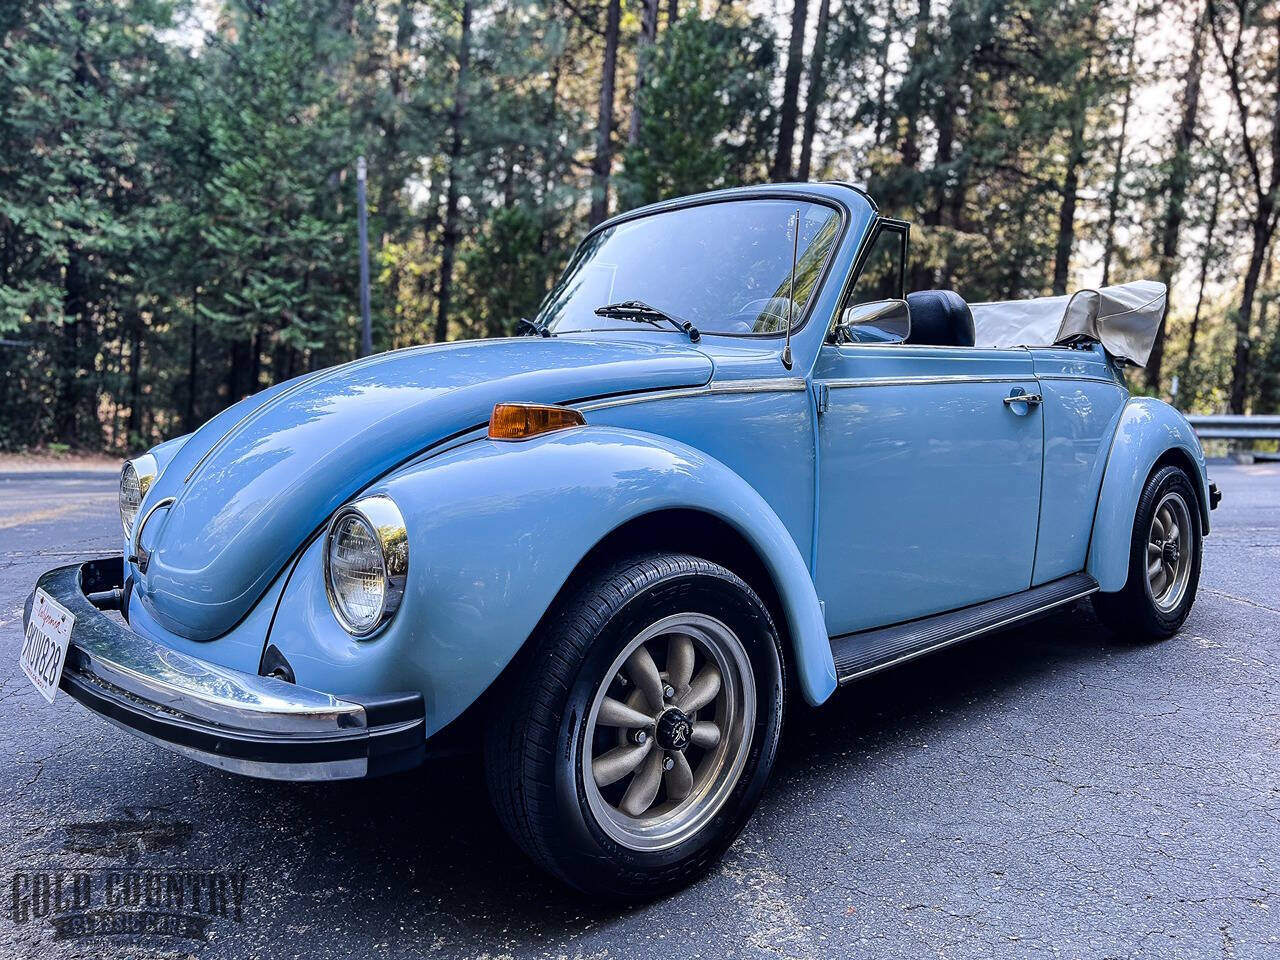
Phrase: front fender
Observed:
(1148, 429)
(495, 530)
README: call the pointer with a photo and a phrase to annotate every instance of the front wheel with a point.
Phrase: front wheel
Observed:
(1164, 562)
(639, 736)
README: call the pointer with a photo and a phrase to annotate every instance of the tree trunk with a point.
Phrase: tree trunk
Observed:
(881, 120)
(1176, 188)
(1117, 174)
(457, 117)
(1206, 256)
(817, 90)
(255, 361)
(791, 93)
(75, 309)
(1069, 191)
(133, 428)
(945, 121)
(391, 208)
(912, 86)
(76, 284)
(549, 158)
(1260, 228)
(1266, 189)
(193, 367)
(238, 372)
(648, 34)
(602, 165)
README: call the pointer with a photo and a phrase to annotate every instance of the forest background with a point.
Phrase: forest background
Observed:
(178, 194)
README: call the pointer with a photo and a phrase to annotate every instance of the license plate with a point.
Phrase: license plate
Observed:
(44, 650)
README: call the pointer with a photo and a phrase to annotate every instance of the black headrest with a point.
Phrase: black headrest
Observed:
(941, 318)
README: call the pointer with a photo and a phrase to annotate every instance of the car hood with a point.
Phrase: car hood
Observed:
(254, 483)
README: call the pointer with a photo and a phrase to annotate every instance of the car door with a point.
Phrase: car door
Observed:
(929, 478)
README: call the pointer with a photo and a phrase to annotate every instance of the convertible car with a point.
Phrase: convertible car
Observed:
(729, 463)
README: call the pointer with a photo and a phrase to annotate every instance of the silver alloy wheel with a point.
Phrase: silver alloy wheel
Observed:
(664, 748)
(1170, 544)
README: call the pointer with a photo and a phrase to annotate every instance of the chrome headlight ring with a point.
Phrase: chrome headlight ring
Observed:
(376, 519)
(136, 477)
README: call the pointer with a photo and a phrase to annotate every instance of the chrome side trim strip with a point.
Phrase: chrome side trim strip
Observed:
(765, 385)
(776, 385)
(1068, 376)
(916, 381)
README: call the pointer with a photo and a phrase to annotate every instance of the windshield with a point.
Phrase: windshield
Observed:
(724, 266)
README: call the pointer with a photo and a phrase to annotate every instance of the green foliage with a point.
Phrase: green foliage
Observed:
(705, 111)
(279, 264)
(506, 272)
(85, 89)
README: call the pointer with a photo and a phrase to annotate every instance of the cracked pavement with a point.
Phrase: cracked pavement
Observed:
(1047, 792)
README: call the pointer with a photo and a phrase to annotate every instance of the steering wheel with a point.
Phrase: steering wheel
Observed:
(748, 316)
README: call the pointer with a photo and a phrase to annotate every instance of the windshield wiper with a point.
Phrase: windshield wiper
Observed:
(527, 327)
(638, 311)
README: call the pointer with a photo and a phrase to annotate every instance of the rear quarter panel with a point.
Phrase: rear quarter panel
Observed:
(1148, 430)
(1083, 401)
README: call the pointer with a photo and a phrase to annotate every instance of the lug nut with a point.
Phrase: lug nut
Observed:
(668, 763)
(668, 691)
(640, 736)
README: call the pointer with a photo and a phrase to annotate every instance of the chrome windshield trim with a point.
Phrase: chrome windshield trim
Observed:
(734, 195)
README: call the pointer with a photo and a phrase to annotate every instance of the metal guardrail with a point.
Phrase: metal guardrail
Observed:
(1230, 426)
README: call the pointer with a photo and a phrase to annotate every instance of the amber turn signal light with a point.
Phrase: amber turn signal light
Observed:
(520, 421)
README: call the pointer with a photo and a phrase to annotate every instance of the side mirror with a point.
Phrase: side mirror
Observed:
(882, 321)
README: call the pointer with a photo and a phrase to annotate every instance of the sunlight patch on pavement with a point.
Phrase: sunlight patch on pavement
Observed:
(52, 513)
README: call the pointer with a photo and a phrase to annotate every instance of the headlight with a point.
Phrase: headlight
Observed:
(136, 478)
(366, 559)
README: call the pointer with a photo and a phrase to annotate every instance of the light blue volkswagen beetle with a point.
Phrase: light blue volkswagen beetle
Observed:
(730, 465)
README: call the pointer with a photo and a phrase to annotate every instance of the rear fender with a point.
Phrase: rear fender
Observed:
(1148, 431)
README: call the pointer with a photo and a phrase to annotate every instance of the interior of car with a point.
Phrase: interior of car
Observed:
(940, 318)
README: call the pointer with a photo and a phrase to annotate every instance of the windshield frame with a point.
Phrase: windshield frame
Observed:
(701, 200)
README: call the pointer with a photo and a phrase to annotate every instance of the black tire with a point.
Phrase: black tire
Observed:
(535, 740)
(1132, 613)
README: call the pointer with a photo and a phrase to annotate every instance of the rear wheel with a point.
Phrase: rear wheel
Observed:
(1164, 561)
(635, 745)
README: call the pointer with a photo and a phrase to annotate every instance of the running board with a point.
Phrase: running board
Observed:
(858, 654)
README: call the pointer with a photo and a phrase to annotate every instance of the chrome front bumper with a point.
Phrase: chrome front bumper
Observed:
(258, 726)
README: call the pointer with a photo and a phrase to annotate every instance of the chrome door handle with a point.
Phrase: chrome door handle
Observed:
(1031, 399)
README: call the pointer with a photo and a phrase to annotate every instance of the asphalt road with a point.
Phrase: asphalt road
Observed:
(1046, 792)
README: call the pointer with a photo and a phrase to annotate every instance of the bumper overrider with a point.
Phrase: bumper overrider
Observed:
(259, 726)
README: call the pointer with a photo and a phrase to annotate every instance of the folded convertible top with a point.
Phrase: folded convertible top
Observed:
(1124, 318)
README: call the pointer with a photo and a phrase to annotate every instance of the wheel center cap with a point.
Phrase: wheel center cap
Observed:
(1170, 552)
(675, 730)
